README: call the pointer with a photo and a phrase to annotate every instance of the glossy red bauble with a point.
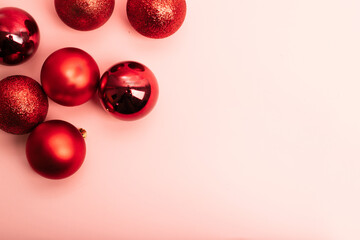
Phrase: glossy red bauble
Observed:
(70, 76)
(84, 15)
(55, 149)
(23, 104)
(19, 36)
(128, 90)
(156, 18)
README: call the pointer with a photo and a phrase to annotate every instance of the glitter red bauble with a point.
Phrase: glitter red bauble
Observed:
(156, 18)
(19, 36)
(84, 15)
(128, 90)
(70, 76)
(55, 149)
(23, 104)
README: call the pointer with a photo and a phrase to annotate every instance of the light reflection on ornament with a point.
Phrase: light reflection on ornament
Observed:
(128, 90)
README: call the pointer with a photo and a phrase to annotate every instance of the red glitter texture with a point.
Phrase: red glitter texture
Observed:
(156, 18)
(84, 15)
(23, 104)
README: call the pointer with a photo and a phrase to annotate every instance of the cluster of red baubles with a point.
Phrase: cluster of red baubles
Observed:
(128, 90)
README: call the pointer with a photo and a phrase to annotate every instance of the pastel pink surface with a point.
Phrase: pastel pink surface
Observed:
(255, 134)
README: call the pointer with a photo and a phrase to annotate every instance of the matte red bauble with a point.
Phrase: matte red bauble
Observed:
(23, 104)
(84, 15)
(70, 76)
(19, 36)
(156, 18)
(55, 149)
(128, 90)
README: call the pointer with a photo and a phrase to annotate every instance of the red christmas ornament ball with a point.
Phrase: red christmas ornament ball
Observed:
(55, 149)
(128, 90)
(19, 36)
(70, 76)
(156, 18)
(84, 15)
(23, 104)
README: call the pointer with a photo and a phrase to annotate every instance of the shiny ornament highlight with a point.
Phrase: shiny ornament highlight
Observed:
(55, 149)
(70, 76)
(19, 36)
(128, 90)
(84, 15)
(156, 18)
(23, 104)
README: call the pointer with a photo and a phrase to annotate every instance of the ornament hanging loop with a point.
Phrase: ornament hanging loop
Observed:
(83, 132)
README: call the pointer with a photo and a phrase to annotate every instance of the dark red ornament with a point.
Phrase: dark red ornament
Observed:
(84, 15)
(23, 104)
(19, 36)
(128, 90)
(70, 76)
(55, 149)
(156, 18)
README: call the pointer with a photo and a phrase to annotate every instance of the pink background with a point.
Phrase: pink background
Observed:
(255, 134)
